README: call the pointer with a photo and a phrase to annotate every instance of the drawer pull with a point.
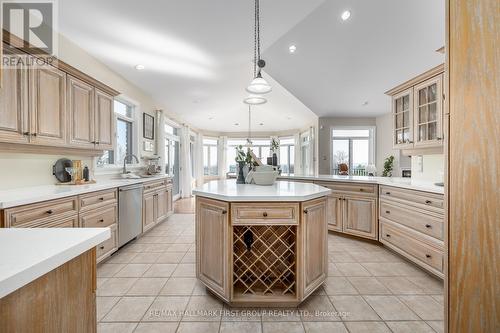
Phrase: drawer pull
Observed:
(361, 190)
(387, 211)
(305, 211)
(387, 235)
(101, 247)
(388, 193)
(224, 212)
(101, 199)
(340, 199)
(428, 226)
(101, 221)
(428, 202)
(264, 214)
(428, 256)
(50, 211)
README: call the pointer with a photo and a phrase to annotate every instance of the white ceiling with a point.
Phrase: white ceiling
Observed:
(198, 54)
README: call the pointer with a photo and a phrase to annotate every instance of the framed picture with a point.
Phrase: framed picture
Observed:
(148, 126)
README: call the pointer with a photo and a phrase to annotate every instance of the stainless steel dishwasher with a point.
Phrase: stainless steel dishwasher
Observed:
(129, 213)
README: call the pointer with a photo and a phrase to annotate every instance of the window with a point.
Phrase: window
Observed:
(170, 129)
(287, 155)
(260, 147)
(353, 147)
(125, 123)
(210, 157)
(192, 154)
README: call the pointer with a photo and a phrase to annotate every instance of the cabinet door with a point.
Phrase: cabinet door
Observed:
(161, 205)
(334, 212)
(148, 211)
(14, 106)
(428, 117)
(402, 111)
(81, 113)
(315, 246)
(170, 204)
(48, 106)
(360, 217)
(213, 246)
(104, 121)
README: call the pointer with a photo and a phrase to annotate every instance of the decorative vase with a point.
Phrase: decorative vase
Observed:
(275, 159)
(241, 176)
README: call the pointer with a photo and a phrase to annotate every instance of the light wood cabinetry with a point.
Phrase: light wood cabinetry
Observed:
(417, 109)
(212, 242)
(148, 211)
(269, 213)
(105, 127)
(334, 212)
(81, 113)
(157, 203)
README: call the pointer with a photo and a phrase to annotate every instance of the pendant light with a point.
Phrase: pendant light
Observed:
(259, 85)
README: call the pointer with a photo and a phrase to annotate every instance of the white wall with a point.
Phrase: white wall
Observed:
(428, 167)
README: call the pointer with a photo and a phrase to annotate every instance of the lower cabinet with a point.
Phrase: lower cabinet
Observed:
(157, 204)
(334, 212)
(212, 230)
(360, 217)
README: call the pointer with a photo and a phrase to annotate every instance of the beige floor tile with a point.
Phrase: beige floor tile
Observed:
(318, 308)
(203, 308)
(159, 247)
(170, 258)
(179, 248)
(116, 286)
(374, 257)
(121, 258)
(439, 298)
(369, 286)
(437, 326)
(108, 270)
(390, 308)
(104, 304)
(337, 285)
(145, 258)
(336, 257)
(241, 314)
(333, 270)
(146, 239)
(100, 281)
(280, 314)
(425, 307)
(166, 308)
(164, 327)
(179, 286)
(135, 247)
(393, 269)
(198, 327)
(185, 270)
(200, 289)
(160, 270)
(129, 309)
(133, 270)
(352, 269)
(428, 283)
(409, 327)
(399, 285)
(240, 327)
(323, 327)
(116, 327)
(147, 287)
(367, 327)
(189, 258)
(353, 308)
(282, 327)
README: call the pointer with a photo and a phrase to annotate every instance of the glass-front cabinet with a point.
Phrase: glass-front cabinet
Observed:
(428, 112)
(402, 106)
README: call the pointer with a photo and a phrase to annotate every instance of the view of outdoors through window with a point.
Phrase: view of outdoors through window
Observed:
(351, 147)
(210, 167)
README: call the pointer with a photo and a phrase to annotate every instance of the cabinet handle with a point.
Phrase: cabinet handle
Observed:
(26, 133)
(340, 199)
(33, 134)
(101, 247)
(388, 193)
(224, 212)
(438, 138)
(428, 256)
(305, 211)
(101, 221)
(93, 142)
(264, 214)
(387, 211)
(428, 226)
(101, 199)
(361, 190)
(387, 235)
(50, 211)
(428, 202)
(97, 142)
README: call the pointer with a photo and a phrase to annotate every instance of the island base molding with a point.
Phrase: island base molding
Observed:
(261, 253)
(62, 300)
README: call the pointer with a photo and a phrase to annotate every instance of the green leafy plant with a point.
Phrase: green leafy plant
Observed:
(241, 156)
(388, 166)
(275, 145)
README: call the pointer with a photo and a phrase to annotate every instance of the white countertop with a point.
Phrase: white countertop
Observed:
(27, 254)
(228, 190)
(29, 195)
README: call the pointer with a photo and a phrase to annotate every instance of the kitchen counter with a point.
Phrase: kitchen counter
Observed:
(27, 254)
(228, 190)
(30, 195)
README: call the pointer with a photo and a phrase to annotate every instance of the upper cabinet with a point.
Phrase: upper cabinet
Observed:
(81, 113)
(104, 120)
(417, 110)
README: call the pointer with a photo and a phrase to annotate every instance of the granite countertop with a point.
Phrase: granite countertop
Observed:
(228, 190)
(29, 195)
(28, 253)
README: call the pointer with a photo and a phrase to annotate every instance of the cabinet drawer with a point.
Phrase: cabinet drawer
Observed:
(268, 212)
(413, 218)
(431, 201)
(33, 215)
(71, 222)
(99, 218)
(155, 185)
(108, 246)
(407, 241)
(351, 188)
(97, 199)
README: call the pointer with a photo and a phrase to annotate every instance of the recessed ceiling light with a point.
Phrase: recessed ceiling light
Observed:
(139, 67)
(292, 49)
(345, 15)
(236, 124)
(289, 118)
(210, 118)
(261, 124)
(365, 103)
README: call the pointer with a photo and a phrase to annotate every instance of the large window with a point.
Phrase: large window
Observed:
(353, 147)
(125, 123)
(210, 167)
(287, 155)
(260, 148)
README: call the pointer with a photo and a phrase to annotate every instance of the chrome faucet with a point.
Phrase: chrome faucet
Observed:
(125, 162)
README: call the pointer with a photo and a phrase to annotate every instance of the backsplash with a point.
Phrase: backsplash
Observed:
(431, 169)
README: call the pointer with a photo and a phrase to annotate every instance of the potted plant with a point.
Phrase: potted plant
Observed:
(275, 146)
(244, 160)
(388, 166)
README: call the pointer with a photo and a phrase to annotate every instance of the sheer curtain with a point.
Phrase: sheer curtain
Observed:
(222, 153)
(298, 151)
(185, 158)
(160, 139)
(198, 159)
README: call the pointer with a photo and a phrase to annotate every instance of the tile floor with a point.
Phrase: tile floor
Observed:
(150, 286)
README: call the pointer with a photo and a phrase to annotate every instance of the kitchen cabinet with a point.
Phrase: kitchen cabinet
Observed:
(81, 113)
(104, 130)
(334, 212)
(212, 231)
(161, 205)
(14, 120)
(149, 211)
(157, 203)
(403, 119)
(47, 102)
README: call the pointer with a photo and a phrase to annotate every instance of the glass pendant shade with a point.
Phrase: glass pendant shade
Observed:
(254, 100)
(259, 86)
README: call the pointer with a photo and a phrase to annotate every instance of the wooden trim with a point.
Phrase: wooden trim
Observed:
(436, 150)
(18, 43)
(416, 80)
(33, 149)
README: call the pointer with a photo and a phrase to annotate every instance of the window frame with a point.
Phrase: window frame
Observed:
(371, 144)
(289, 146)
(210, 145)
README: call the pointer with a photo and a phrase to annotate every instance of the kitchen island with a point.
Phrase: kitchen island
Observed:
(261, 245)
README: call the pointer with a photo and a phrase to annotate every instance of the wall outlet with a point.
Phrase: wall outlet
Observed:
(420, 163)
